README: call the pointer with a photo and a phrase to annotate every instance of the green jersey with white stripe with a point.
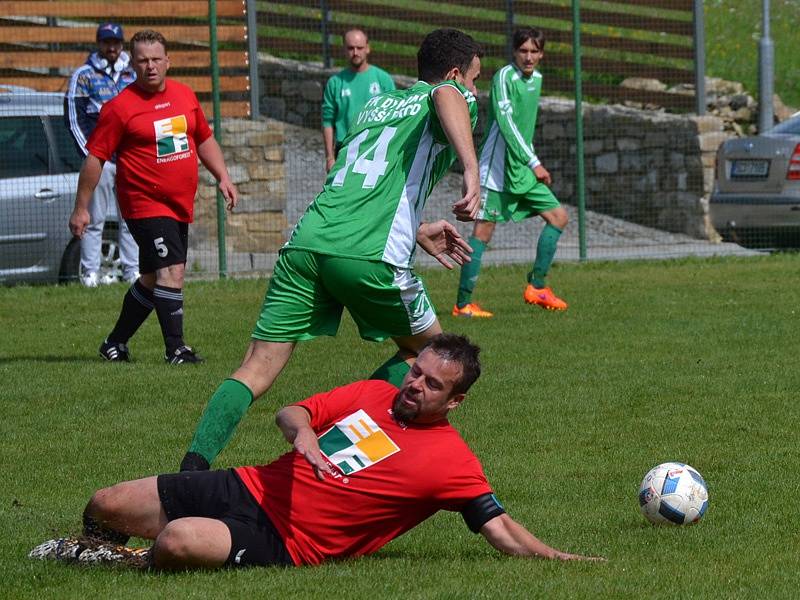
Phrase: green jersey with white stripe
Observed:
(372, 202)
(507, 156)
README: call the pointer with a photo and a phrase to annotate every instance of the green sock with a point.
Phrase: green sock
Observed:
(393, 370)
(469, 273)
(545, 252)
(220, 418)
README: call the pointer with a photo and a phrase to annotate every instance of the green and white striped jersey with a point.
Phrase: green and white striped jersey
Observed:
(371, 205)
(507, 156)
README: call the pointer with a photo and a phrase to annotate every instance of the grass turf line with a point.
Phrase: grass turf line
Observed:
(682, 360)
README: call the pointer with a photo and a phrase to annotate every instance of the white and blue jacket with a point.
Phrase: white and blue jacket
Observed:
(91, 86)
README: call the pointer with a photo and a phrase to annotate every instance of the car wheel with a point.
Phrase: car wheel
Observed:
(70, 270)
(110, 270)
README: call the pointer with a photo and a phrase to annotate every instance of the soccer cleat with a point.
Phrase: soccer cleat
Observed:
(87, 551)
(114, 351)
(471, 310)
(194, 462)
(66, 549)
(138, 558)
(544, 297)
(182, 355)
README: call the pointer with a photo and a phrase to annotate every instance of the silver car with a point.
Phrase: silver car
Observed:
(39, 164)
(756, 197)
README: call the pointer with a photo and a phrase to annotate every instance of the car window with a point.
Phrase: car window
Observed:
(23, 147)
(68, 158)
(788, 127)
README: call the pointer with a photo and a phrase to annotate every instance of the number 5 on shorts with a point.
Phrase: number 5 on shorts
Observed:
(161, 247)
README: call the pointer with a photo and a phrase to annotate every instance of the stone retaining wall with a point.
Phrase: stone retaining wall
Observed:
(253, 152)
(649, 167)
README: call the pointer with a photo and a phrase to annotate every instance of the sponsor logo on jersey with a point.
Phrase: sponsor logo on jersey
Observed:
(355, 443)
(171, 136)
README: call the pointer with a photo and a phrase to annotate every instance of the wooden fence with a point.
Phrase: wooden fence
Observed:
(42, 41)
(651, 39)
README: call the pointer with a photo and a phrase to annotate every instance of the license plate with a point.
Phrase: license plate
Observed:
(750, 168)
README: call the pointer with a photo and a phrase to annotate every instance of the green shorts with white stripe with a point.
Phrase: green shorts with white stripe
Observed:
(308, 291)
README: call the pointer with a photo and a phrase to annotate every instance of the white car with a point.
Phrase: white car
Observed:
(39, 165)
(756, 197)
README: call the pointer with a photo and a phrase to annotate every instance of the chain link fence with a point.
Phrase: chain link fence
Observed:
(648, 151)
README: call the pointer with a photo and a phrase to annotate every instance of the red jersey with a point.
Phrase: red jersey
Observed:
(155, 137)
(389, 476)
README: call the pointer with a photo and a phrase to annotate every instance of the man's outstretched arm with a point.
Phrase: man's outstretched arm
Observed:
(508, 536)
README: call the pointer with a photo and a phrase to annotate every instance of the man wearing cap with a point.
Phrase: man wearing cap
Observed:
(106, 72)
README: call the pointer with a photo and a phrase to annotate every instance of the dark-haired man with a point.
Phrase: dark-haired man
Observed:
(106, 72)
(514, 182)
(370, 462)
(158, 131)
(354, 246)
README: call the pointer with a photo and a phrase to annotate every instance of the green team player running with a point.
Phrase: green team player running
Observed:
(354, 246)
(514, 184)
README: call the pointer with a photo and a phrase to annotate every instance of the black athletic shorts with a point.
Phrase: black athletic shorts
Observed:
(222, 495)
(162, 242)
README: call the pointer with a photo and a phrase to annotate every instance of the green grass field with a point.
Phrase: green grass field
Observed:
(687, 360)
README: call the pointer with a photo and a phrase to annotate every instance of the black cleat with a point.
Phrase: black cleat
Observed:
(194, 462)
(114, 351)
(182, 355)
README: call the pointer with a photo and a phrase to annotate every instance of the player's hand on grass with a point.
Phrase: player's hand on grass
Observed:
(306, 443)
(78, 221)
(229, 192)
(441, 240)
(542, 174)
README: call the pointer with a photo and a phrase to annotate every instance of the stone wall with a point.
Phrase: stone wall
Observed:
(649, 167)
(253, 152)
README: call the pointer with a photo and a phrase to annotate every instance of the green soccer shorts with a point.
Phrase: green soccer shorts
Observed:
(308, 291)
(500, 207)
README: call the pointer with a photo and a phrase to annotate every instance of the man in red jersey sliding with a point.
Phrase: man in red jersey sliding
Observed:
(157, 131)
(370, 462)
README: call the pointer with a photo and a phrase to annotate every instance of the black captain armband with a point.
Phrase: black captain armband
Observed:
(479, 511)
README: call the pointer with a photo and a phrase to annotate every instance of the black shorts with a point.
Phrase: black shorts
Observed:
(221, 495)
(162, 242)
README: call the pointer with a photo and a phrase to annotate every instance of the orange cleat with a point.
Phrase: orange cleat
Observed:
(544, 297)
(471, 310)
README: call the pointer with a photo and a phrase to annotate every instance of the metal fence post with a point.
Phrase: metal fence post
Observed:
(252, 58)
(766, 70)
(579, 176)
(212, 29)
(699, 57)
(326, 43)
(509, 30)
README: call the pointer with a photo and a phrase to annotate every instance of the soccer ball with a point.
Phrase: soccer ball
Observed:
(673, 493)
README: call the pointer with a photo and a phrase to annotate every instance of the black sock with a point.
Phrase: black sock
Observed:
(136, 307)
(169, 308)
(92, 529)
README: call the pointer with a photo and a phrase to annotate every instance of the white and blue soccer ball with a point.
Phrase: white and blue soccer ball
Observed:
(673, 493)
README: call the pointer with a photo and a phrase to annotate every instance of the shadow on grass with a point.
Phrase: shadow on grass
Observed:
(49, 359)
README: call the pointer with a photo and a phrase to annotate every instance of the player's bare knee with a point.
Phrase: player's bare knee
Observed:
(104, 505)
(172, 546)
